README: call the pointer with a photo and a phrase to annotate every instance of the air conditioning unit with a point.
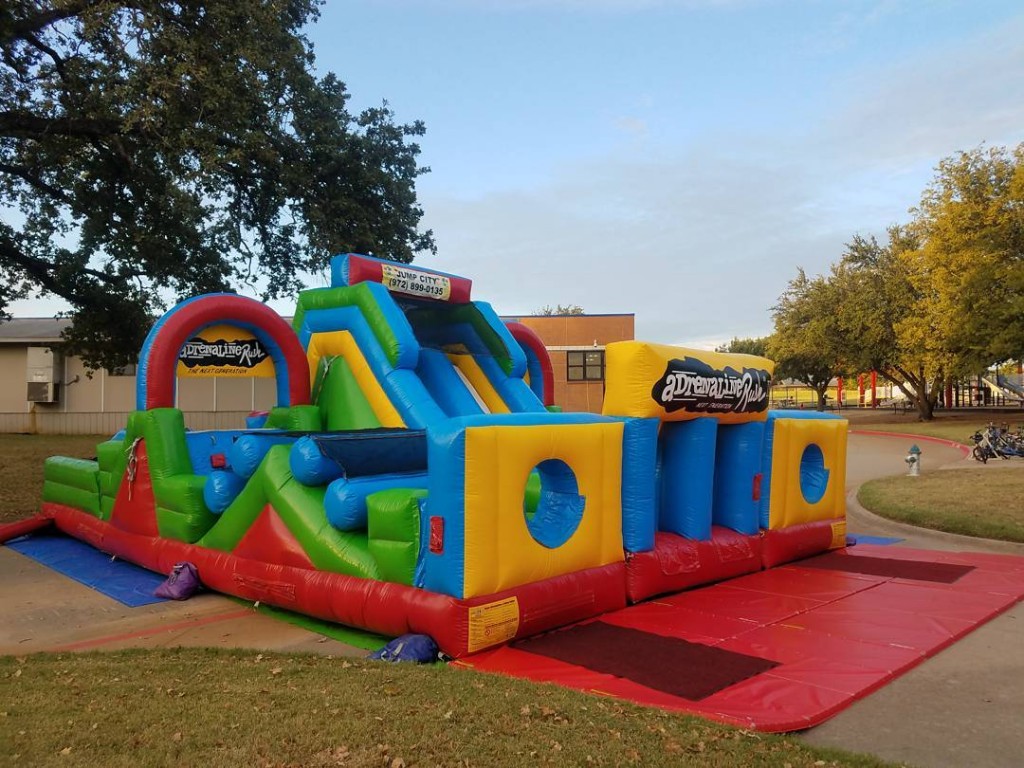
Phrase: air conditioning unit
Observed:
(43, 392)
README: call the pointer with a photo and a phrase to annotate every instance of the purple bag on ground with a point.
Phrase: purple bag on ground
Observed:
(181, 584)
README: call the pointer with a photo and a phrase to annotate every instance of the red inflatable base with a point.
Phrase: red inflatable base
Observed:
(458, 626)
(836, 632)
(677, 563)
(799, 541)
(24, 527)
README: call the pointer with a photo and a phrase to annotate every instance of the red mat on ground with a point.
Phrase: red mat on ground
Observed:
(834, 635)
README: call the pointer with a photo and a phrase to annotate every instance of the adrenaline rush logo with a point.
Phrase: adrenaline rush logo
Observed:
(242, 353)
(696, 387)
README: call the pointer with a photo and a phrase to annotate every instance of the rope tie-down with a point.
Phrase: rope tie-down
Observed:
(133, 462)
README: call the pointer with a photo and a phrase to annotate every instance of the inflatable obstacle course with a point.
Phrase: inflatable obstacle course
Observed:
(413, 477)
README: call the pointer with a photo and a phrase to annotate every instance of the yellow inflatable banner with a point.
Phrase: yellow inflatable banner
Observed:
(224, 350)
(678, 384)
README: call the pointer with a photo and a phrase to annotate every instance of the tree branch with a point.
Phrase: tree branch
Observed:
(41, 271)
(25, 124)
(36, 181)
(21, 28)
(58, 61)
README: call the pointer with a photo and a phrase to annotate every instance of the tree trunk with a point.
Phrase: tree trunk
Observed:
(822, 395)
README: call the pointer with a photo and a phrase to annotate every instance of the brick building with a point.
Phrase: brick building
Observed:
(576, 344)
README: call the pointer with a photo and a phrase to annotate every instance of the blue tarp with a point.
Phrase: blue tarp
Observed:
(879, 540)
(127, 583)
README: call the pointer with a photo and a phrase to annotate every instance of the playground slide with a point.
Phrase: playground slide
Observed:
(1005, 385)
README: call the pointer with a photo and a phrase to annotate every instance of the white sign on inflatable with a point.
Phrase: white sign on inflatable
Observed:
(415, 282)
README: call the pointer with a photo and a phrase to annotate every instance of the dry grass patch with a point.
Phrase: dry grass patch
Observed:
(21, 468)
(972, 502)
(230, 708)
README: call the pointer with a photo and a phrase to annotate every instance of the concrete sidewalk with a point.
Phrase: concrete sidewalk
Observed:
(42, 610)
(965, 706)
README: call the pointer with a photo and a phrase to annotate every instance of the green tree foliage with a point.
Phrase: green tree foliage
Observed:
(971, 263)
(568, 309)
(878, 299)
(758, 346)
(807, 343)
(155, 148)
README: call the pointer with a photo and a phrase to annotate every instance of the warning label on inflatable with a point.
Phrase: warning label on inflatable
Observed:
(416, 282)
(838, 534)
(493, 623)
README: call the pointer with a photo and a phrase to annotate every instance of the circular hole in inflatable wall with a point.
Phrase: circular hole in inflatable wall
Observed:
(552, 504)
(813, 474)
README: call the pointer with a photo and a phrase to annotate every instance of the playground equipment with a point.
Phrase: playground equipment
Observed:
(412, 477)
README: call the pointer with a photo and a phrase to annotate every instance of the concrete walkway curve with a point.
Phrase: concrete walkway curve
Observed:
(965, 706)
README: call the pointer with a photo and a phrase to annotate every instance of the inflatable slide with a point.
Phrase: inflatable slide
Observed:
(414, 477)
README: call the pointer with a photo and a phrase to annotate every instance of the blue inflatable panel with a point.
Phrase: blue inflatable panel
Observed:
(345, 500)
(515, 352)
(310, 466)
(533, 367)
(639, 473)
(439, 376)
(250, 448)
(688, 477)
(220, 490)
(737, 464)
(203, 445)
(444, 571)
(412, 400)
(367, 452)
(117, 579)
(257, 421)
(559, 507)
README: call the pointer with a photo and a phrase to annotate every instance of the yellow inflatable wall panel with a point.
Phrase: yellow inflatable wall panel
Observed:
(679, 384)
(341, 343)
(795, 467)
(500, 551)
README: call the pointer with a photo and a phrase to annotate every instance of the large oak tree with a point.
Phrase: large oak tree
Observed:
(153, 149)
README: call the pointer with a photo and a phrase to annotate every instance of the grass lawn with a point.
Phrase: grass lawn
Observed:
(972, 502)
(233, 708)
(21, 468)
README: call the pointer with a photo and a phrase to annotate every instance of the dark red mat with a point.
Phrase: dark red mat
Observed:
(837, 635)
(678, 667)
(942, 573)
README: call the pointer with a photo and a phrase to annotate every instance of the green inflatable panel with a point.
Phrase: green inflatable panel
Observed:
(359, 295)
(301, 508)
(394, 532)
(297, 418)
(79, 498)
(78, 473)
(341, 400)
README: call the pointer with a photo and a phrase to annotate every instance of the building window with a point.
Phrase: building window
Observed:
(586, 366)
(124, 370)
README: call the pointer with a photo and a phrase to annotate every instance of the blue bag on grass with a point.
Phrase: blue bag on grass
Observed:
(417, 648)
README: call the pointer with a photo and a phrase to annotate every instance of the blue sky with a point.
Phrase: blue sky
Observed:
(674, 158)
(679, 159)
